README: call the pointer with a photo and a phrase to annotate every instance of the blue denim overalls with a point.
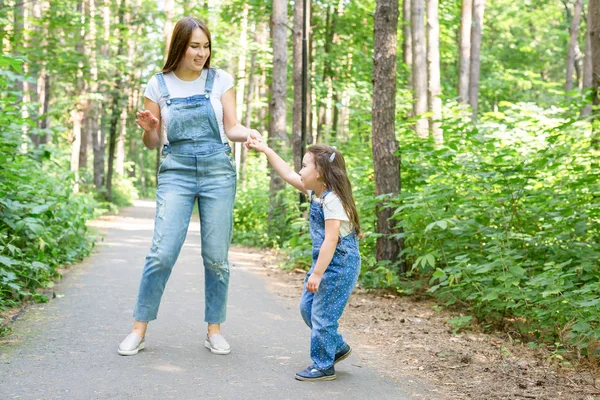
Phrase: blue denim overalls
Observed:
(322, 310)
(197, 165)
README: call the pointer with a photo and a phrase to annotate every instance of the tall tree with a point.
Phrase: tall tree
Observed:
(433, 71)
(3, 29)
(241, 79)
(167, 32)
(277, 105)
(99, 134)
(385, 145)
(297, 82)
(419, 70)
(116, 100)
(129, 91)
(407, 36)
(90, 124)
(324, 123)
(464, 54)
(587, 64)
(594, 27)
(250, 91)
(19, 16)
(476, 32)
(43, 93)
(77, 113)
(572, 45)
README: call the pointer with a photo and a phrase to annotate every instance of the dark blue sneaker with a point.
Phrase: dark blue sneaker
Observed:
(313, 374)
(344, 353)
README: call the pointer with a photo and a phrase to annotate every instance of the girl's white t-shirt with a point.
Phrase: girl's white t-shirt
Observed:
(334, 209)
(180, 88)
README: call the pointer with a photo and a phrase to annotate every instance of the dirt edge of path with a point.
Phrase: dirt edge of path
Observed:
(409, 339)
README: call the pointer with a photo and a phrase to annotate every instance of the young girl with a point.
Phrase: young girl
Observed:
(334, 229)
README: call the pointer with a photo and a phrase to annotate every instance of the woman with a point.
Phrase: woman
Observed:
(195, 104)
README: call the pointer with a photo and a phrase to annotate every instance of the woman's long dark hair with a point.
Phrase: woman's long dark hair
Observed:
(180, 40)
(333, 174)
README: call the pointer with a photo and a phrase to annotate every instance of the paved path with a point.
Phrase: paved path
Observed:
(66, 349)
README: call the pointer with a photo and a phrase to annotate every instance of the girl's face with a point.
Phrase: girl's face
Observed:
(197, 52)
(310, 175)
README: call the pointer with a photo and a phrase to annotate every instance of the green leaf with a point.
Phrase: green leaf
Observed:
(7, 261)
(439, 273)
(491, 295)
(430, 259)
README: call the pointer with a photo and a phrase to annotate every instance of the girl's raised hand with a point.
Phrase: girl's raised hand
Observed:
(146, 120)
(258, 145)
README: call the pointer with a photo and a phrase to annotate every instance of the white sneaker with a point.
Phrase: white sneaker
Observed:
(217, 344)
(131, 345)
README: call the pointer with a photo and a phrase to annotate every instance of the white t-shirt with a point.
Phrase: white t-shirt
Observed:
(333, 209)
(179, 88)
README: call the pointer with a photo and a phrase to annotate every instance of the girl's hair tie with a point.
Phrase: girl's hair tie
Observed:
(332, 157)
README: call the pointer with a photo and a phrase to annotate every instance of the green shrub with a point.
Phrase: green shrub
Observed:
(42, 222)
(505, 218)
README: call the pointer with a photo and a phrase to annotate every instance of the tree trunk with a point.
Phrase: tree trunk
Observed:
(44, 99)
(90, 124)
(116, 106)
(120, 150)
(335, 73)
(297, 82)
(594, 27)
(476, 32)
(277, 125)
(43, 92)
(578, 66)
(385, 146)
(587, 65)
(407, 36)
(572, 45)
(17, 41)
(419, 70)
(78, 113)
(464, 54)
(433, 71)
(252, 80)
(345, 111)
(3, 29)
(27, 87)
(98, 132)
(167, 32)
(241, 80)
(322, 123)
(262, 88)
(129, 108)
(76, 117)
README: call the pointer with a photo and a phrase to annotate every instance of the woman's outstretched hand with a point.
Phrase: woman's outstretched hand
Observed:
(253, 136)
(146, 120)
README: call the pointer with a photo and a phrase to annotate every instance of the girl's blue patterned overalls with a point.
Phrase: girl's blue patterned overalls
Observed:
(322, 310)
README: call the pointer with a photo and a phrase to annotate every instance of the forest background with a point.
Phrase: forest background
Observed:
(468, 128)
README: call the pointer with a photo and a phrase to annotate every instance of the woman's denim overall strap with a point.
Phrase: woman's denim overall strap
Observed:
(197, 167)
(322, 310)
(192, 120)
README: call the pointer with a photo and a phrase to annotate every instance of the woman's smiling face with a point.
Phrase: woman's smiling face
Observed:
(197, 52)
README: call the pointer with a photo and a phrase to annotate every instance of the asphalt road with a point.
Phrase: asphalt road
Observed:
(66, 349)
